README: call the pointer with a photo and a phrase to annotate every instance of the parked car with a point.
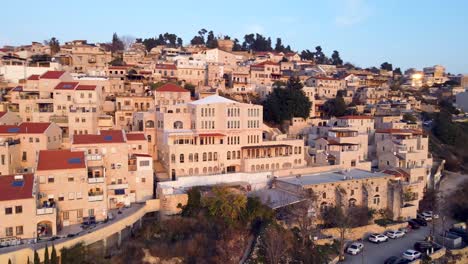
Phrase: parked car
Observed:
(395, 234)
(431, 214)
(355, 248)
(88, 222)
(420, 221)
(424, 217)
(413, 224)
(396, 260)
(377, 238)
(411, 254)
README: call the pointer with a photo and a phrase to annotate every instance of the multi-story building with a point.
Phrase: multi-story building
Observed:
(87, 58)
(127, 105)
(265, 73)
(326, 87)
(128, 170)
(217, 135)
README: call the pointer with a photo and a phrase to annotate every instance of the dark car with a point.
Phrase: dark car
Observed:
(420, 221)
(88, 222)
(413, 224)
(396, 260)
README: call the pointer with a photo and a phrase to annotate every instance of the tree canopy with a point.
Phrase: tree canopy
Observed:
(54, 45)
(386, 66)
(116, 44)
(285, 103)
(335, 107)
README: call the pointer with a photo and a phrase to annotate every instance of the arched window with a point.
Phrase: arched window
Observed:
(228, 155)
(210, 156)
(204, 170)
(376, 199)
(181, 158)
(196, 157)
(215, 156)
(178, 125)
(377, 188)
(352, 202)
(190, 171)
(149, 124)
(324, 195)
(252, 168)
(210, 170)
(204, 156)
(190, 157)
(149, 138)
(173, 158)
(323, 206)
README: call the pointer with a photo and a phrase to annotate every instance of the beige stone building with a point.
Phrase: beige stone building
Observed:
(265, 73)
(326, 87)
(217, 135)
(87, 58)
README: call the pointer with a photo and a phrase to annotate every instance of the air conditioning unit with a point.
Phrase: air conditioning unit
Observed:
(19, 177)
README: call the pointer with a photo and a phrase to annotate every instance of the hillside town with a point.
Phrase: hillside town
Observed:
(107, 146)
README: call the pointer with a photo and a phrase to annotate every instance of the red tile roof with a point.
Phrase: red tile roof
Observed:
(25, 128)
(66, 86)
(33, 77)
(143, 155)
(124, 67)
(13, 190)
(136, 136)
(82, 87)
(105, 136)
(166, 66)
(52, 75)
(262, 64)
(400, 131)
(62, 159)
(169, 87)
(356, 117)
(2, 114)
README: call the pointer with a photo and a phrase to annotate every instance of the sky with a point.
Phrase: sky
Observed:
(406, 33)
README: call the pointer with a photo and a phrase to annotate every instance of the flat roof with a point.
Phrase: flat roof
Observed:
(332, 176)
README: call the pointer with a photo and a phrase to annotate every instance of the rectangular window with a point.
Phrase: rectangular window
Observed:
(3, 159)
(71, 196)
(90, 212)
(18, 209)
(144, 163)
(9, 231)
(24, 157)
(143, 180)
(66, 215)
(19, 230)
(78, 195)
(9, 210)
(71, 179)
(79, 213)
(51, 179)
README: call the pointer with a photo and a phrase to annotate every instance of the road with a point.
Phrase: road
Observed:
(378, 253)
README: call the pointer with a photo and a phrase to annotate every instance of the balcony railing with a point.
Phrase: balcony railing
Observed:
(45, 211)
(95, 198)
(96, 180)
(117, 186)
(59, 119)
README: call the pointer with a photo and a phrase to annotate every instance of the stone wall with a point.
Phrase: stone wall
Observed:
(363, 231)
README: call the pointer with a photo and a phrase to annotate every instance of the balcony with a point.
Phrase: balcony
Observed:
(95, 198)
(126, 108)
(117, 186)
(59, 119)
(45, 211)
(10, 142)
(96, 180)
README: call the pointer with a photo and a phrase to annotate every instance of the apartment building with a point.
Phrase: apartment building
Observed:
(21, 144)
(265, 73)
(87, 58)
(127, 105)
(9, 118)
(192, 71)
(327, 87)
(128, 170)
(216, 135)
(170, 94)
(74, 188)
(22, 215)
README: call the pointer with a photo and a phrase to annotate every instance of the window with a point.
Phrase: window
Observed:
(66, 215)
(51, 179)
(9, 231)
(377, 188)
(71, 179)
(19, 230)
(144, 163)
(143, 180)
(91, 212)
(181, 158)
(79, 213)
(18, 209)
(24, 156)
(376, 199)
(79, 195)
(324, 195)
(3, 159)
(71, 196)
(8, 210)
(352, 202)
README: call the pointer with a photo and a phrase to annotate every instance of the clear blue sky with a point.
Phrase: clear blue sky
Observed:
(407, 33)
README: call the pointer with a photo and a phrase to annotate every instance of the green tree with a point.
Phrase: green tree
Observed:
(225, 205)
(319, 56)
(336, 59)
(307, 55)
(211, 40)
(335, 107)
(194, 203)
(54, 45)
(409, 118)
(386, 66)
(397, 71)
(73, 255)
(279, 45)
(180, 42)
(191, 88)
(37, 260)
(46, 255)
(117, 44)
(285, 103)
(53, 256)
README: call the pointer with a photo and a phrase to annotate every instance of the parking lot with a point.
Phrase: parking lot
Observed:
(378, 253)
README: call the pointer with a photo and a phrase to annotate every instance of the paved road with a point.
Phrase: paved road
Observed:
(378, 253)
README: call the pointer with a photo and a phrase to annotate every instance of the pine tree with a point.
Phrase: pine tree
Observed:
(53, 256)
(37, 260)
(46, 255)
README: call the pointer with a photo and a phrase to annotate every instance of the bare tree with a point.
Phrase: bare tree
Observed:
(277, 242)
(128, 41)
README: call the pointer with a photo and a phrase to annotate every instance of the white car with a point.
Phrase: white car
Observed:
(430, 214)
(411, 254)
(424, 216)
(355, 248)
(377, 238)
(395, 234)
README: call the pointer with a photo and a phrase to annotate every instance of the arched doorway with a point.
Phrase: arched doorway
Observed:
(44, 229)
